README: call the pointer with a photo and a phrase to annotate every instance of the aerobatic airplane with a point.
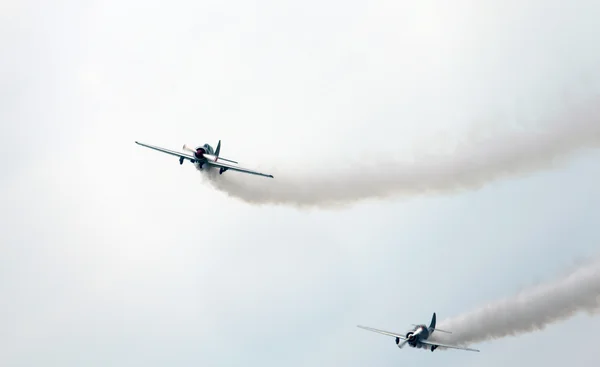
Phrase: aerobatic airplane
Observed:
(417, 337)
(206, 155)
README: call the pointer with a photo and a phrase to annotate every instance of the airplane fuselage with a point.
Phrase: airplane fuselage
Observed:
(200, 152)
(203, 154)
(415, 336)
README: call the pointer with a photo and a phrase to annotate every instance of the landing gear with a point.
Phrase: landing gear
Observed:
(201, 164)
(434, 347)
(222, 169)
(180, 160)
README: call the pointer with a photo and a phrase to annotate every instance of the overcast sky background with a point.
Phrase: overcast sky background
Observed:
(115, 255)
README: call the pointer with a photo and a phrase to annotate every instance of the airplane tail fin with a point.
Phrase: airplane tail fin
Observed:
(432, 324)
(432, 327)
(218, 149)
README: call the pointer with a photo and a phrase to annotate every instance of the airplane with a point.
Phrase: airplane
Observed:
(417, 337)
(206, 155)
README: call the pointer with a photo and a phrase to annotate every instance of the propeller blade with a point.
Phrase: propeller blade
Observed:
(210, 157)
(189, 149)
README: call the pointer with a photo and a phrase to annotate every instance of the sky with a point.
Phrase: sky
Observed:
(113, 254)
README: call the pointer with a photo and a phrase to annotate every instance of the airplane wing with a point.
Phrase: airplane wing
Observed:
(448, 346)
(383, 332)
(171, 152)
(236, 168)
(210, 162)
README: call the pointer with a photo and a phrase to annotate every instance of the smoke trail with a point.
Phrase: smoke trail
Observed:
(473, 164)
(530, 310)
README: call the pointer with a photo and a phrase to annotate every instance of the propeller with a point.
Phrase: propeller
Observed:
(189, 149)
(401, 344)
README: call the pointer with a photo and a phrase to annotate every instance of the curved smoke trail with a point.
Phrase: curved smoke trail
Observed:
(530, 310)
(472, 165)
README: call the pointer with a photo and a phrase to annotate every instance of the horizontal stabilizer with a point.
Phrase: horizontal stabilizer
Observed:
(436, 329)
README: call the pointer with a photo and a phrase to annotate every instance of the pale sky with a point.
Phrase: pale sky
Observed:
(115, 255)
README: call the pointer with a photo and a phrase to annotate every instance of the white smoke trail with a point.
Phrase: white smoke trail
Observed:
(530, 310)
(472, 165)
